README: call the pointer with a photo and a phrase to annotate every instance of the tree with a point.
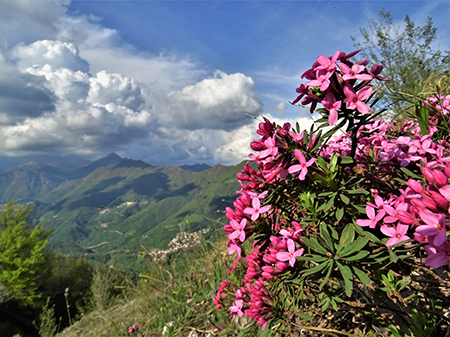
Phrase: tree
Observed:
(407, 55)
(21, 255)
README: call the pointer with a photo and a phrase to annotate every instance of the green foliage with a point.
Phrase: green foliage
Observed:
(21, 255)
(161, 199)
(104, 282)
(406, 54)
(48, 326)
(64, 271)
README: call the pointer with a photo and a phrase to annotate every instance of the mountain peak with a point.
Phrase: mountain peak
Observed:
(112, 156)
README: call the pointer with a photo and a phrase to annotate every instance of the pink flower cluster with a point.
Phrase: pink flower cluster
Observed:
(132, 329)
(335, 84)
(225, 287)
(284, 156)
(423, 207)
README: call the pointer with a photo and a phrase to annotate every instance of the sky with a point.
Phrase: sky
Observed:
(167, 82)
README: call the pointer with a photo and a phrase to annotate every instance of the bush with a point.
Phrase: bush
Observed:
(340, 223)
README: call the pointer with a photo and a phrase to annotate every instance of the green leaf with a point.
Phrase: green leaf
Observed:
(316, 269)
(325, 303)
(322, 163)
(393, 257)
(357, 191)
(360, 208)
(409, 173)
(347, 236)
(354, 247)
(362, 254)
(362, 276)
(333, 162)
(326, 236)
(304, 316)
(347, 276)
(346, 160)
(327, 276)
(220, 316)
(344, 199)
(339, 213)
(314, 245)
(372, 238)
(313, 257)
(227, 330)
(394, 331)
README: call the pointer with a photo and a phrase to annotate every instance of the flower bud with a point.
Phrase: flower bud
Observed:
(405, 217)
(258, 145)
(417, 203)
(282, 266)
(438, 199)
(440, 178)
(265, 129)
(430, 204)
(415, 186)
(428, 174)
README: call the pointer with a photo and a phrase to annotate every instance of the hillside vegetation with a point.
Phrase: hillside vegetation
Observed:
(116, 210)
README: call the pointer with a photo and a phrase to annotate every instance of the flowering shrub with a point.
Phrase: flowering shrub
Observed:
(339, 221)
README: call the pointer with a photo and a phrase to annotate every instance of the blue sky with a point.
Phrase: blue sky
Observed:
(169, 82)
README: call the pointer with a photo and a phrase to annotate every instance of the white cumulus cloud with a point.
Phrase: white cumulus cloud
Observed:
(76, 88)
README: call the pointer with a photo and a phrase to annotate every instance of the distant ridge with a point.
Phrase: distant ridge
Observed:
(110, 159)
(196, 167)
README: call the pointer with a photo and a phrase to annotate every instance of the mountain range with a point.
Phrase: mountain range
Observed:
(118, 209)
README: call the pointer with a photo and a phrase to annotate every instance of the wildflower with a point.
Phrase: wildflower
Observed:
(256, 210)
(373, 219)
(303, 166)
(355, 100)
(332, 106)
(239, 231)
(237, 309)
(291, 254)
(437, 255)
(435, 225)
(354, 73)
(397, 234)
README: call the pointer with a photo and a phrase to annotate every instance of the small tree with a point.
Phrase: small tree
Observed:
(21, 255)
(406, 53)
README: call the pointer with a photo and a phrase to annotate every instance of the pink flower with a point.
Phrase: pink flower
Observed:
(302, 90)
(132, 329)
(303, 166)
(397, 235)
(256, 210)
(373, 219)
(437, 256)
(354, 72)
(332, 106)
(321, 81)
(237, 309)
(291, 254)
(327, 64)
(239, 230)
(234, 247)
(435, 225)
(355, 100)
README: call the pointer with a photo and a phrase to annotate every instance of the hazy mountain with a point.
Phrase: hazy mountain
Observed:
(31, 180)
(195, 167)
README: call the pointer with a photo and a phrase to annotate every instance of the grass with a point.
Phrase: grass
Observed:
(177, 298)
